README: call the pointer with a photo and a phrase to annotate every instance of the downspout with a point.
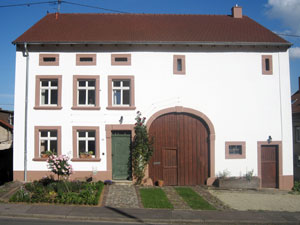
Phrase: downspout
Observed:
(26, 54)
(280, 95)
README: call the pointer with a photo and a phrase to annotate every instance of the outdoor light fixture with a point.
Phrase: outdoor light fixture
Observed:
(269, 139)
(121, 120)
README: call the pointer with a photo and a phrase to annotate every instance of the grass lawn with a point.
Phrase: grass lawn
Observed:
(155, 198)
(194, 200)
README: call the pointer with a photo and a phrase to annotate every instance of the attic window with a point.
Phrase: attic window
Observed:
(267, 65)
(85, 59)
(179, 64)
(120, 59)
(49, 60)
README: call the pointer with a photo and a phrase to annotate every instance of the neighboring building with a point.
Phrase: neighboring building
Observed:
(296, 132)
(215, 91)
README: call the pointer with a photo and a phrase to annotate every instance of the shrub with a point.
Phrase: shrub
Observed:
(296, 186)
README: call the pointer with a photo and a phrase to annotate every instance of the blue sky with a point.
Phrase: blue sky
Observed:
(281, 16)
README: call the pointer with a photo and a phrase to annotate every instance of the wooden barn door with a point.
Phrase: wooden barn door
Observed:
(269, 166)
(181, 155)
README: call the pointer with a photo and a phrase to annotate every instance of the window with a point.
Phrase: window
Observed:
(267, 65)
(48, 92)
(179, 64)
(121, 92)
(49, 59)
(120, 59)
(235, 150)
(85, 59)
(86, 92)
(297, 134)
(86, 144)
(47, 139)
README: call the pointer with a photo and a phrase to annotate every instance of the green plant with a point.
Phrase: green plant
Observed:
(155, 198)
(249, 175)
(48, 153)
(59, 165)
(142, 148)
(296, 186)
(223, 174)
(194, 200)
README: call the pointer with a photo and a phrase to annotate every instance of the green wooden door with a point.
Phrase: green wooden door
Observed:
(121, 160)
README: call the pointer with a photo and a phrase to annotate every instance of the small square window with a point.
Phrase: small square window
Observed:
(120, 59)
(86, 59)
(49, 59)
(235, 150)
(86, 144)
(267, 65)
(179, 64)
(86, 92)
(48, 92)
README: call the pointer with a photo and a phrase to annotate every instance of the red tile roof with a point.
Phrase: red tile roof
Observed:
(148, 28)
(6, 124)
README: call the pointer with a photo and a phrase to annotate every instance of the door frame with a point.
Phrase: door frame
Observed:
(109, 128)
(279, 146)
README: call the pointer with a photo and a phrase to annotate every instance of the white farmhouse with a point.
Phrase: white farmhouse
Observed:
(215, 91)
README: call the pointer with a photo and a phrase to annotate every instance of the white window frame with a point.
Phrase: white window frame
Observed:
(49, 88)
(86, 88)
(121, 88)
(48, 139)
(86, 139)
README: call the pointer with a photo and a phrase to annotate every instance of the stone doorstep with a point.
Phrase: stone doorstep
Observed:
(122, 182)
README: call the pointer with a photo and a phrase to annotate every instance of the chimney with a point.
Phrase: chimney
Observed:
(237, 11)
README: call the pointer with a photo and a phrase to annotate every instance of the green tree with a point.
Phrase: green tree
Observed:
(142, 148)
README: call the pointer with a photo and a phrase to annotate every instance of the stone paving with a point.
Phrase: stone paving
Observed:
(121, 196)
(174, 198)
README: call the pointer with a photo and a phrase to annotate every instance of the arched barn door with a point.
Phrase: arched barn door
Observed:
(181, 154)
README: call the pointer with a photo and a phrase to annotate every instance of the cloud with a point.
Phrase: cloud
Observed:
(295, 53)
(288, 11)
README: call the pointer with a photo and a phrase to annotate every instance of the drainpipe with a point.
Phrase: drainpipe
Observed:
(26, 54)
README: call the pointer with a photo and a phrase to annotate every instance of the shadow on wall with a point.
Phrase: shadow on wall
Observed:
(6, 165)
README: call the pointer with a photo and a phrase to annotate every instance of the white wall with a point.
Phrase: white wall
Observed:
(228, 87)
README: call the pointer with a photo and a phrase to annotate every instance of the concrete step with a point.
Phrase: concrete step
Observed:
(122, 182)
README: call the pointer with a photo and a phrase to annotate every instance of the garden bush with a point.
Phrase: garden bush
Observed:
(296, 186)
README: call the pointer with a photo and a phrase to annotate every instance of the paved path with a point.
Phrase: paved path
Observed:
(259, 200)
(122, 196)
(174, 198)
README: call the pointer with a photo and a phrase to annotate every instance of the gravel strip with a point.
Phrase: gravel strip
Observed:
(174, 198)
(122, 196)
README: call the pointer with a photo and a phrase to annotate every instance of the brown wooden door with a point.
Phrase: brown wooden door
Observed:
(189, 136)
(269, 166)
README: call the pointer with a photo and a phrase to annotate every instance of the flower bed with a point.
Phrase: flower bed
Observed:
(63, 192)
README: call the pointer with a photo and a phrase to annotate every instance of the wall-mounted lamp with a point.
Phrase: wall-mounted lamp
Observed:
(121, 120)
(269, 139)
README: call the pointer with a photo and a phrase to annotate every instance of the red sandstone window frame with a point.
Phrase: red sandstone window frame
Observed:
(38, 79)
(75, 129)
(175, 64)
(114, 61)
(235, 156)
(75, 92)
(86, 63)
(265, 70)
(37, 130)
(50, 63)
(110, 106)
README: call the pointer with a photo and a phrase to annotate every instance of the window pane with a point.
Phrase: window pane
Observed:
(53, 133)
(117, 97)
(44, 83)
(126, 97)
(53, 146)
(86, 59)
(81, 133)
(54, 97)
(91, 97)
(81, 147)
(81, 97)
(54, 83)
(235, 149)
(117, 83)
(49, 59)
(44, 133)
(121, 59)
(44, 97)
(91, 83)
(179, 64)
(81, 83)
(126, 83)
(267, 64)
(92, 146)
(43, 146)
(91, 133)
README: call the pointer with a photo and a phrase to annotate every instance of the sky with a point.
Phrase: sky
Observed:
(280, 16)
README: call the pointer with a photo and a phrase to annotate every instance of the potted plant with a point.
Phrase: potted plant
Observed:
(46, 154)
(86, 154)
(160, 183)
